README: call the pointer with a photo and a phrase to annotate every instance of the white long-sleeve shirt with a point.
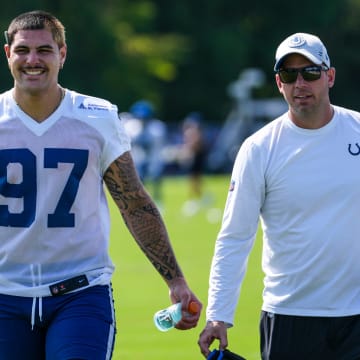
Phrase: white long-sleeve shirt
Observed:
(304, 186)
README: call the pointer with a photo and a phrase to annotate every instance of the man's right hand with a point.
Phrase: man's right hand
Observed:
(213, 330)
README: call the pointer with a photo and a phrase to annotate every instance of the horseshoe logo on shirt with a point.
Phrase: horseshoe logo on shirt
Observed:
(354, 153)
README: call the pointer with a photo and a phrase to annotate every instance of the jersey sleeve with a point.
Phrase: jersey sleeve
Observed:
(103, 116)
(117, 142)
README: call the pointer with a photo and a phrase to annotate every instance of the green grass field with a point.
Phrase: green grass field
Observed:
(139, 291)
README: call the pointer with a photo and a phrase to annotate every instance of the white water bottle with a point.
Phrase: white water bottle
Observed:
(166, 319)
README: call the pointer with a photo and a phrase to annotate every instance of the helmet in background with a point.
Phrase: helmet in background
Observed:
(142, 109)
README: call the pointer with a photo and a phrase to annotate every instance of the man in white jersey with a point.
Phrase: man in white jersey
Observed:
(57, 150)
(300, 176)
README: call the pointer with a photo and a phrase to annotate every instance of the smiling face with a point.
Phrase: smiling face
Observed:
(34, 60)
(309, 103)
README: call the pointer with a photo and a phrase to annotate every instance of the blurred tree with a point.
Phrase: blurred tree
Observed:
(145, 58)
(229, 36)
(343, 43)
(182, 55)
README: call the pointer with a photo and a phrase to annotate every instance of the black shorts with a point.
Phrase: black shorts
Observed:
(285, 337)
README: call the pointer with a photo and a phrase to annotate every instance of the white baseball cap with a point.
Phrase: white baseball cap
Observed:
(304, 44)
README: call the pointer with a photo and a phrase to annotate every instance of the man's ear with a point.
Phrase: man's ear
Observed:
(331, 77)
(63, 51)
(7, 50)
(279, 83)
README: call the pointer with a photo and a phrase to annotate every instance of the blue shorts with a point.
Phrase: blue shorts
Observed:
(79, 325)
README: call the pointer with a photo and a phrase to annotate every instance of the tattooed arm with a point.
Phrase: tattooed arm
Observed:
(144, 222)
(141, 216)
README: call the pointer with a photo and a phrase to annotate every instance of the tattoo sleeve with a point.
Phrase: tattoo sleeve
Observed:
(141, 216)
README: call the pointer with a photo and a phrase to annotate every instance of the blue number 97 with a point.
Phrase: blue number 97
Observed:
(27, 188)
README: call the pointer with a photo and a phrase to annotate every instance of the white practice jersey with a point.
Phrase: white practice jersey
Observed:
(305, 186)
(54, 218)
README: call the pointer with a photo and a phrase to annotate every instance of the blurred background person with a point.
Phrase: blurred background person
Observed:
(148, 138)
(192, 158)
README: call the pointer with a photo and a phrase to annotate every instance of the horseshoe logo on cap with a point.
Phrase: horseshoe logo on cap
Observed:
(296, 41)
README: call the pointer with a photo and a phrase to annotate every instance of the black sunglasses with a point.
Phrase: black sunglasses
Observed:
(308, 73)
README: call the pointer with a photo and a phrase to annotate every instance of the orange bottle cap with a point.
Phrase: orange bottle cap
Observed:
(194, 307)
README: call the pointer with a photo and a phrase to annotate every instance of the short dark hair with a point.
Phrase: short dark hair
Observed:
(36, 20)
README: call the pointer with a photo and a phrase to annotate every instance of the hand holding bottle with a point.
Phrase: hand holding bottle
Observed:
(167, 319)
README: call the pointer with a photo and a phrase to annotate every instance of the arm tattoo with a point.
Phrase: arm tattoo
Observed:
(141, 216)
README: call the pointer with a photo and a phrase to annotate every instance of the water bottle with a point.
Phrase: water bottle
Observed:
(167, 318)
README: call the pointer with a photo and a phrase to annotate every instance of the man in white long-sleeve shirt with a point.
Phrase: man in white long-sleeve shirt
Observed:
(300, 175)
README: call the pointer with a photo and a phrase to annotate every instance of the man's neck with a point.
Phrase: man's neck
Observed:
(39, 106)
(312, 120)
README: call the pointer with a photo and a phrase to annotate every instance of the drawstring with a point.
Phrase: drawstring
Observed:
(33, 313)
(40, 298)
(40, 308)
(34, 283)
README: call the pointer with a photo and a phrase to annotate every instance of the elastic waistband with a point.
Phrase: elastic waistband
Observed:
(60, 287)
